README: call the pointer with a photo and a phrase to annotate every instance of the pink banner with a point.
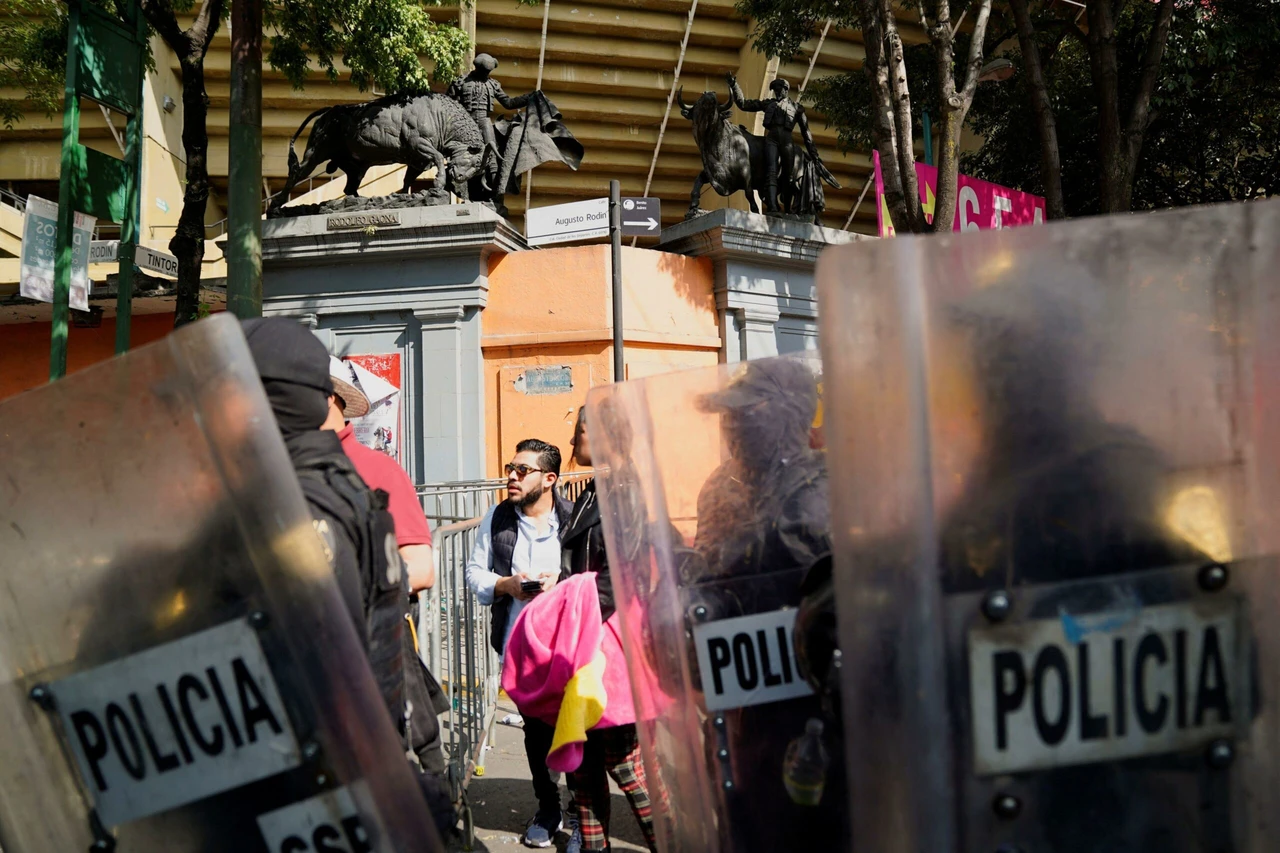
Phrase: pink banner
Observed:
(979, 206)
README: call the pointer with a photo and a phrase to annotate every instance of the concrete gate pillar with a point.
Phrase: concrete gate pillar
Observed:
(764, 286)
(411, 281)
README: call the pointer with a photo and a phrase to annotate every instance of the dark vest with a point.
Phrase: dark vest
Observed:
(330, 481)
(502, 548)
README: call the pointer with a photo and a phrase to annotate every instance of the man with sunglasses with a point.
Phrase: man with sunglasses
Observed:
(517, 556)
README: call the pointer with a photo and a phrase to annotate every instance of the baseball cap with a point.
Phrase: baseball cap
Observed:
(285, 351)
(354, 402)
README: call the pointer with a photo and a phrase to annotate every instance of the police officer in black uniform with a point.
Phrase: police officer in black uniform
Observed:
(1060, 494)
(358, 535)
(762, 522)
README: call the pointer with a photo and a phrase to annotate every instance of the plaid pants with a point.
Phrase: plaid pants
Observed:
(615, 751)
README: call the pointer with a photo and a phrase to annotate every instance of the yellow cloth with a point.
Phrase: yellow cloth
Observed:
(583, 704)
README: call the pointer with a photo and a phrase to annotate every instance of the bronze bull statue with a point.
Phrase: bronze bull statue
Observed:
(420, 131)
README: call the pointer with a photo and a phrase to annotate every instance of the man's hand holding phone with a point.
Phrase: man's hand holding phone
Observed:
(524, 587)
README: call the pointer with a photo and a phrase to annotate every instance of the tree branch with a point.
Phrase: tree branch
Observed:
(163, 20)
(206, 24)
(1139, 115)
(924, 19)
(975, 54)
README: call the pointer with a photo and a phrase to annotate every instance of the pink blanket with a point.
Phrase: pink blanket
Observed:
(565, 668)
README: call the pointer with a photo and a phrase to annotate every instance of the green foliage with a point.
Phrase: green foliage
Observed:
(784, 25)
(845, 99)
(1216, 111)
(381, 42)
(33, 57)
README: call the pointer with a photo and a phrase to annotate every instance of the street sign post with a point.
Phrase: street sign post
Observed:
(641, 217)
(615, 242)
(564, 223)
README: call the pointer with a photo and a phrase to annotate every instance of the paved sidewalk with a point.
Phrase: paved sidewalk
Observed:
(502, 799)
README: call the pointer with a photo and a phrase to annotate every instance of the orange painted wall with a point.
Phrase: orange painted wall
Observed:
(553, 307)
(24, 348)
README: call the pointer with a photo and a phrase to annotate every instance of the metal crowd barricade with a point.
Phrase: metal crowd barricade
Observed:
(454, 638)
(459, 500)
(453, 628)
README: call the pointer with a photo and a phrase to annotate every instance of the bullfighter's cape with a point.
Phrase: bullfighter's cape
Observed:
(566, 668)
(532, 137)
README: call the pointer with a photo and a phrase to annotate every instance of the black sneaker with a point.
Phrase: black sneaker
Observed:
(541, 830)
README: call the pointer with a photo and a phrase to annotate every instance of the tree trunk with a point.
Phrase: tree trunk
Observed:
(904, 130)
(187, 244)
(955, 103)
(876, 67)
(1112, 160)
(944, 203)
(1046, 123)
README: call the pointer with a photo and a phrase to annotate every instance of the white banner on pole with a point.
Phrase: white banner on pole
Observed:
(40, 252)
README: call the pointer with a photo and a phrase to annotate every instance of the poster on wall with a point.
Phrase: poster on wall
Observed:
(378, 376)
(980, 205)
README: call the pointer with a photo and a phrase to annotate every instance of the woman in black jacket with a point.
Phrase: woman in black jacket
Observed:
(582, 543)
(615, 751)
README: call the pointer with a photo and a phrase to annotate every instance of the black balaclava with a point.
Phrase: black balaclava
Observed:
(294, 367)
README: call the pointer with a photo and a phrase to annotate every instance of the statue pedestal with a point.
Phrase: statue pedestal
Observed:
(764, 285)
(410, 282)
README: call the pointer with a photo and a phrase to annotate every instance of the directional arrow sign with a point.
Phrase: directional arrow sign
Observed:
(641, 217)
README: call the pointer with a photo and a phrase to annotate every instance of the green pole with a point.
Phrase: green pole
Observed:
(69, 173)
(244, 191)
(129, 236)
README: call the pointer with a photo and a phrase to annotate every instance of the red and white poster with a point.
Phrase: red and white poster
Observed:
(980, 205)
(378, 376)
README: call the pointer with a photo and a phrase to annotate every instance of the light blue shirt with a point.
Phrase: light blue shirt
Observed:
(537, 554)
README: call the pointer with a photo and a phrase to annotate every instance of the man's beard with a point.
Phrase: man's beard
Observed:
(530, 497)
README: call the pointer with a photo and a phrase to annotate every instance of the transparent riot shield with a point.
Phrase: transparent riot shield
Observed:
(177, 669)
(1055, 459)
(714, 506)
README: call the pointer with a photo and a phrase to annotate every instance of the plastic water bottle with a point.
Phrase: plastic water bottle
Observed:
(804, 770)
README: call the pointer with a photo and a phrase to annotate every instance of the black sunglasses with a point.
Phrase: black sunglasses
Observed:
(522, 470)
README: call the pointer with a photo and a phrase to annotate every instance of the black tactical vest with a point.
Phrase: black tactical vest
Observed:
(330, 481)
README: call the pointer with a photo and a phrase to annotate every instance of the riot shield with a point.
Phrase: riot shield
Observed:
(1054, 460)
(713, 500)
(178, 670)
